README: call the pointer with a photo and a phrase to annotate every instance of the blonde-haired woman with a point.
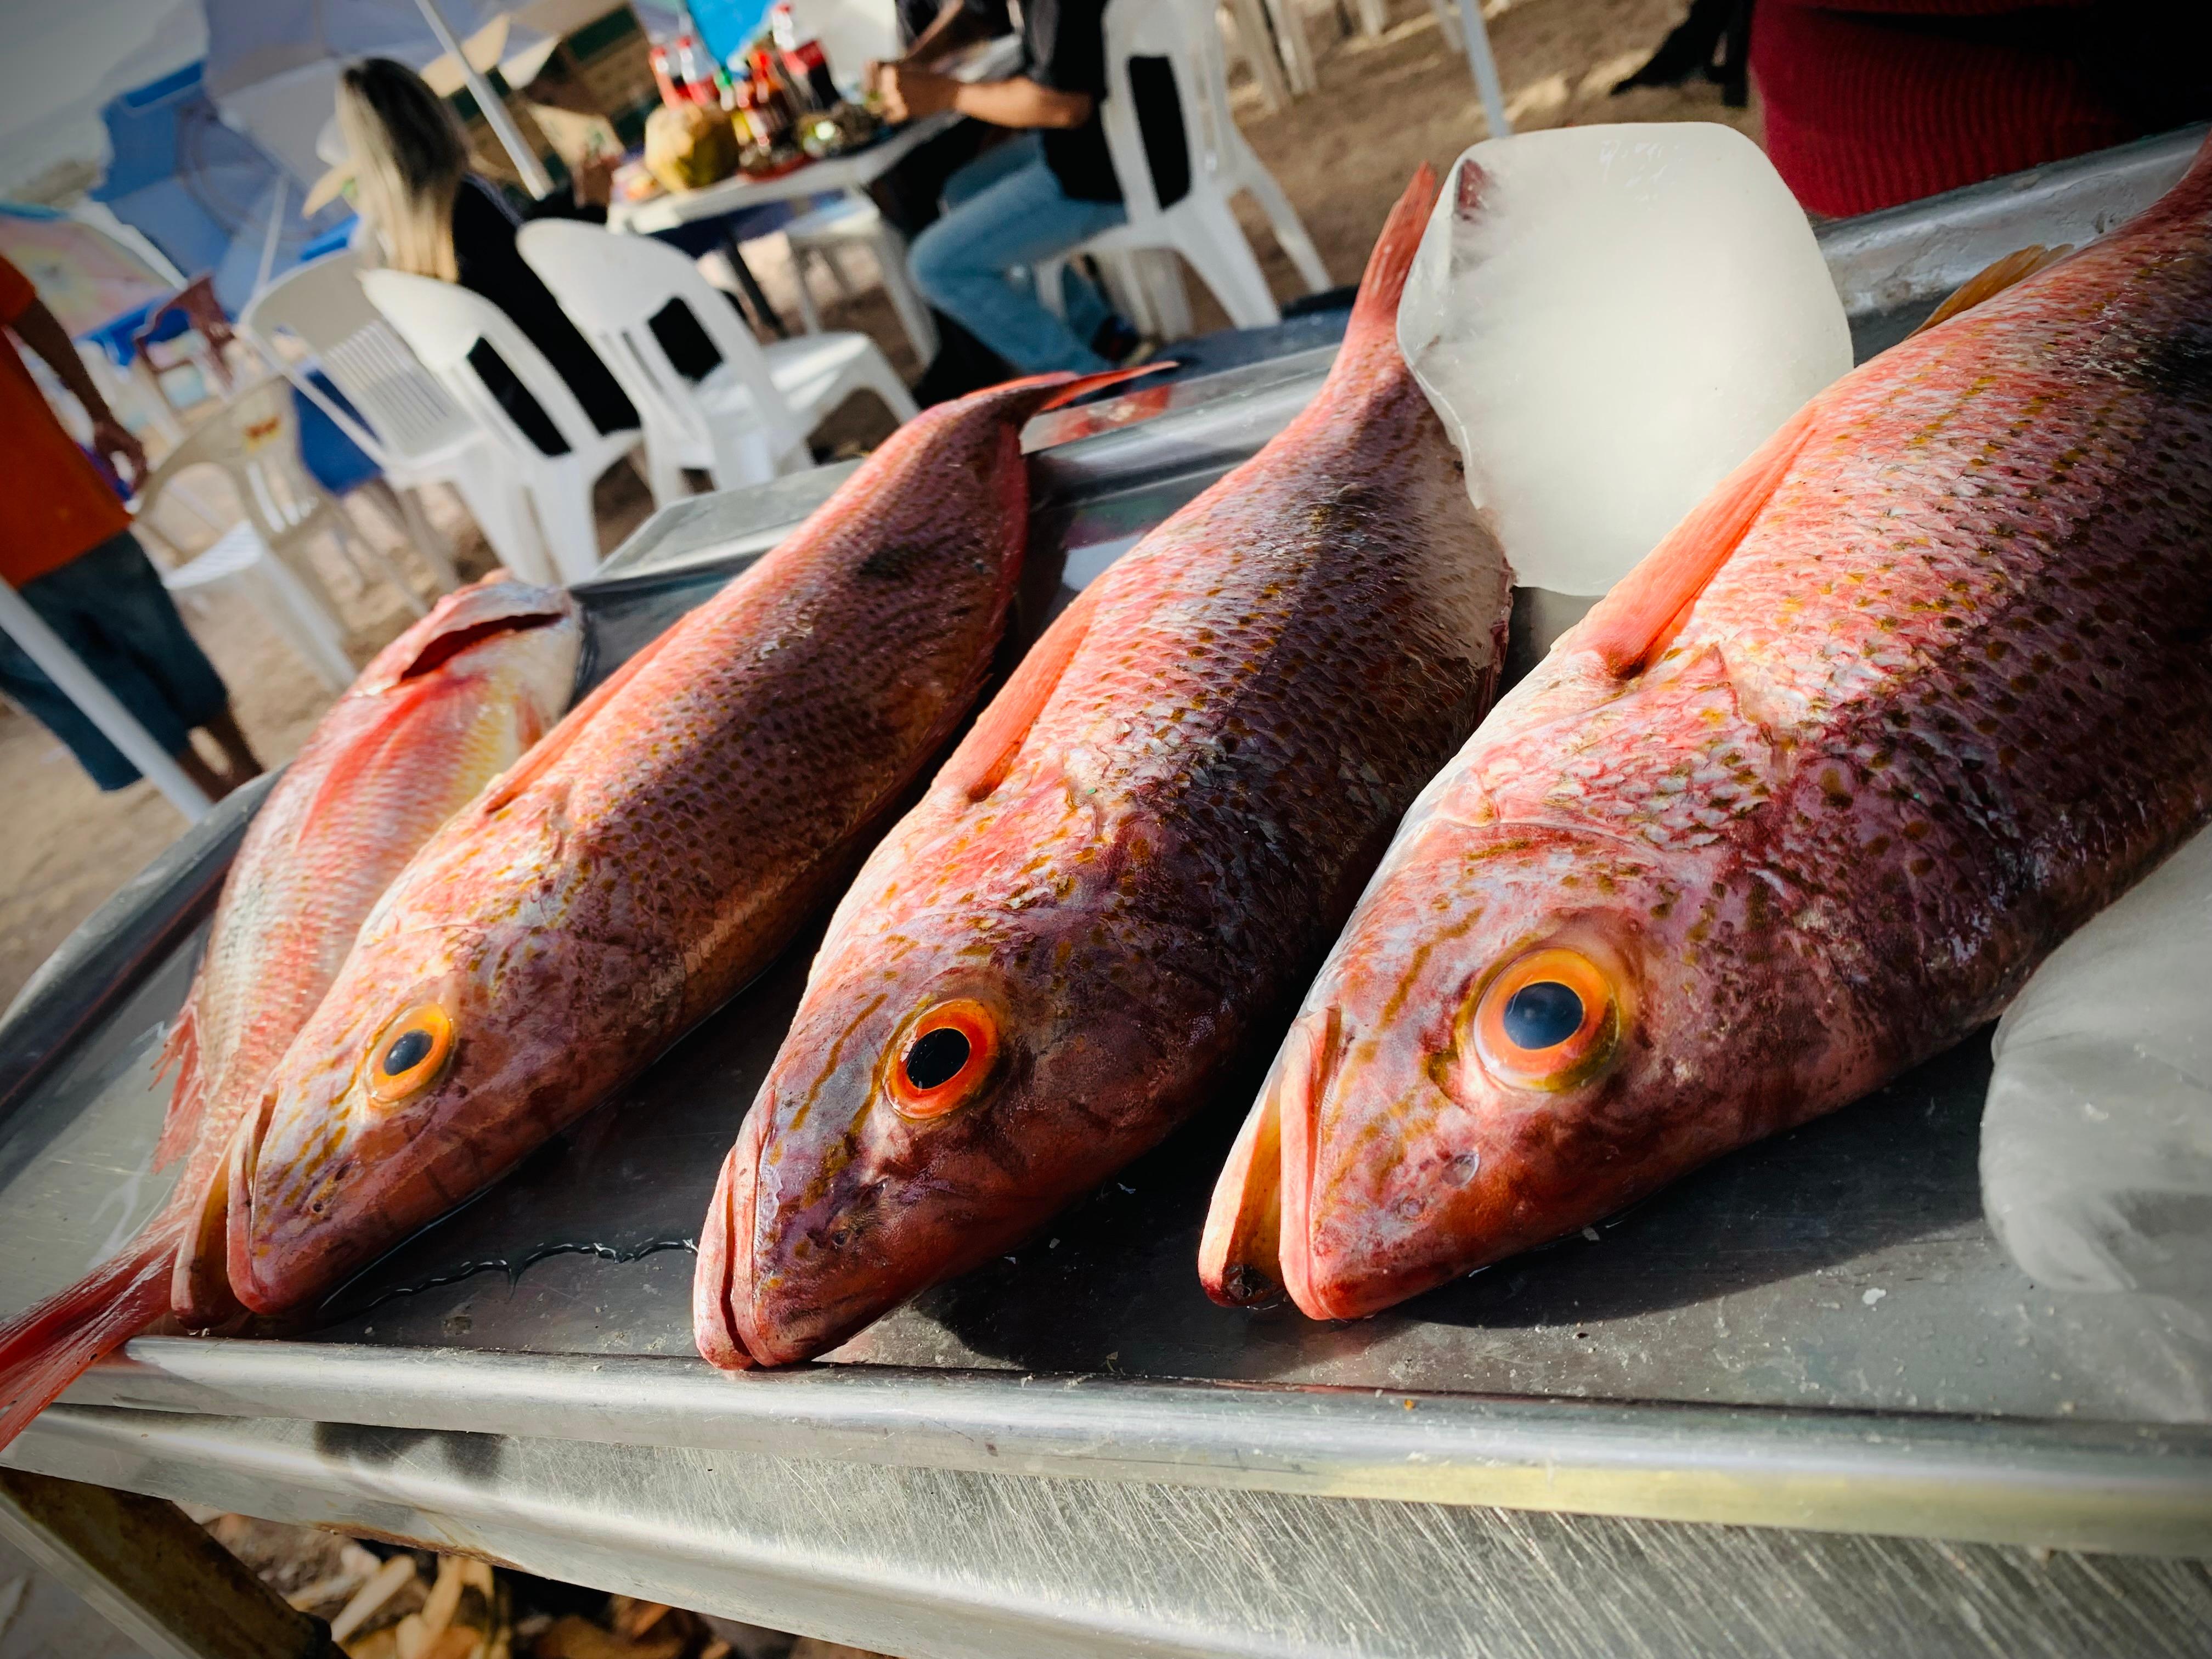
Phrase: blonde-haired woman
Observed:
(435, 218)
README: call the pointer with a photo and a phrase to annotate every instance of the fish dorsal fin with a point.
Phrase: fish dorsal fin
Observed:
(1994, 279)
(556, 743)
(985, 756)
(1069, 391)
(1631, 625)
(188, 1100)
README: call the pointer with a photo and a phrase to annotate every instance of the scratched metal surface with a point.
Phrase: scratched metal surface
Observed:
(940, 1565)
(1846, 1266)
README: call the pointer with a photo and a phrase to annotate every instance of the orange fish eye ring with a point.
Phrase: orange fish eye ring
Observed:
(946, 1058)
(1549, 1020)
(409, 1054)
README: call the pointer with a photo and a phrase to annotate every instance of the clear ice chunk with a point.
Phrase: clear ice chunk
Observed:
(1609, 320)
(2097, 1137)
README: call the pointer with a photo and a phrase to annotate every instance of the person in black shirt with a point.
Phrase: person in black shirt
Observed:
(1028, 199)
(435, 218)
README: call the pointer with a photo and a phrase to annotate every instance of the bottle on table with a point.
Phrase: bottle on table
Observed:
(803, 60)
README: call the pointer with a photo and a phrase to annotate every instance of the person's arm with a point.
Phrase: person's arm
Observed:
(910, 94)
(42, 331)
(958, 25)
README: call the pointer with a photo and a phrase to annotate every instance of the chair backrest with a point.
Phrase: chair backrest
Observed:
(613, 286)
(443, 322)
(254, 439)
(321, 305)
(1188, 39)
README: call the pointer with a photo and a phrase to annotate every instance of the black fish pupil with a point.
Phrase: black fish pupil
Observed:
(408, 1050)
(936, 1057)
(1542, 1015)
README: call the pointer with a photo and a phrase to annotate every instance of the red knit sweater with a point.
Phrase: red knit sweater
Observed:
(1872, 102)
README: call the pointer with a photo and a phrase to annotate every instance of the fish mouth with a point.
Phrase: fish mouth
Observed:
(1257, 1246)
(724, 1250)
(236, 1213)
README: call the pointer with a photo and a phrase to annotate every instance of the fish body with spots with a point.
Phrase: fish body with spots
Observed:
(656, 852)
(1801, 803)
(1128, 868)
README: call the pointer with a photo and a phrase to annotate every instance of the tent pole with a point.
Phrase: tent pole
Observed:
(66, 670)
(535, 179)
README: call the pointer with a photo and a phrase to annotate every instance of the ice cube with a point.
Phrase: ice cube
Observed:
(1609, 320)
(2097, 1137)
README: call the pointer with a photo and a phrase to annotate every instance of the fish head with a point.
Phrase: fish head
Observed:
(951, 1082)
(1522, 1029)
(492, 986)
(463, 1028)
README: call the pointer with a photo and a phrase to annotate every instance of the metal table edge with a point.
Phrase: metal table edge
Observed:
(2056, 1484)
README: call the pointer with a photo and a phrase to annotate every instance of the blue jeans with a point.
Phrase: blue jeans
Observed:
(1005, 209)
(108, 605)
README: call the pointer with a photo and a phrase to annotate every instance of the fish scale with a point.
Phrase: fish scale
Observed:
(1130, 865)
(1801, 803)
(653, 855)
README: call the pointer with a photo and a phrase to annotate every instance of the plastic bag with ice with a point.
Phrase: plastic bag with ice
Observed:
(1609, 320)
(2097, 1138)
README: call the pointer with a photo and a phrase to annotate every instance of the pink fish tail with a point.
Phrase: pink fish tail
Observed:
(1373, 323)
(46, 1348)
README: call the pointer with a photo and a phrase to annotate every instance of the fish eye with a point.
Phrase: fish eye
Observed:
(1549, 1020)
(946, 1058)
(409, 1052)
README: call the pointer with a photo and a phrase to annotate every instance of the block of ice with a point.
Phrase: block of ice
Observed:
(1609, 320)
(2097, 1137)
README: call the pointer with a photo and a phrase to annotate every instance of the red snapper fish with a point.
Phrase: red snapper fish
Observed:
(440, 711)
(654, 853)
(1802, 802)
(1129, 865)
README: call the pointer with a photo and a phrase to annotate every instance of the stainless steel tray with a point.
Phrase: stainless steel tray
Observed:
(1818, 1332)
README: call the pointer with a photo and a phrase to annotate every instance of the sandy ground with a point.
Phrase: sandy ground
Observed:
(1386, 103)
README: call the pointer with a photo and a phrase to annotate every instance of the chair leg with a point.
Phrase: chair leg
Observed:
(833, 261)
(898, 284)
(307, 626)
(1044, 277)
(420, 534)
(663, 473)
(879, 377)
(1291, 40)
(810, 320)
(1217, 250)
(562, 502)
(357, 547)
(1256, 43)
(1373, 16)
(1447, 16)
(1159, 279)
(1289, 230)
(501, 509)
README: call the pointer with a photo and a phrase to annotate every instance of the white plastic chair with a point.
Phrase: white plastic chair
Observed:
(748, 420)
(853, 220)
(402, 418)
(253, 441)
(1246, 29)
(443, 323)
(1200, 226)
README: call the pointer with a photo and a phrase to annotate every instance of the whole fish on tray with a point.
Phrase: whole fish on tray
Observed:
(1131, 862)
(655, 853)
(440, 711)
(1802, 802)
